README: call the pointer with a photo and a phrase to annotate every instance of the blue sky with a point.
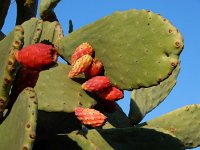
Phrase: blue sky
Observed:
(183, 14)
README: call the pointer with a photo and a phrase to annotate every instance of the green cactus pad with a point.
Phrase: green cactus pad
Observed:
(183, 123)
(50, 124)
(115, 139)
(36, 31)
(144, 100)
(116, 119)
(46, 9)
(57, 92)
(18, 129)
(11, 43)
(137, 48)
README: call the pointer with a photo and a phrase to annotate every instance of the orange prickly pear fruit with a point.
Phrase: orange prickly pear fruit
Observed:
(96, 84)
(90, 117)
(83, 49)
(37, 56)
(111, 94)
(81, 65)
(95, 69)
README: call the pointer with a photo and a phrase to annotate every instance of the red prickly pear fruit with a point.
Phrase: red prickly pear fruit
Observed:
(96, 84)
(106, 106)
(24, 78)
(95, 69)
(37, 56)
(90, 117)
(111, 94)
(81, 65)
(83, 49)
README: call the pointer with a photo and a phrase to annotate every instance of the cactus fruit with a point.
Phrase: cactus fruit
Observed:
(96, 84)
(81, 65)
(83, 49)
(111, 93)
(37, 56)
(96, 68)
(90, 117)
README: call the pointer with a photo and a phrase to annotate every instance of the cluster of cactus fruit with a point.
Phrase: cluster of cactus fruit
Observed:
(45, 103)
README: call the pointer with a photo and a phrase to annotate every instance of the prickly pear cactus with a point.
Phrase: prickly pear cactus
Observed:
(178, 121)
(20, 122)
(144, 100)
(119, 40)
(69, 96)
(138, 50)
(8, 46)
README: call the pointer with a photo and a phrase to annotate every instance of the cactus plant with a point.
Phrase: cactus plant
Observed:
(25, 125)
(138, 50)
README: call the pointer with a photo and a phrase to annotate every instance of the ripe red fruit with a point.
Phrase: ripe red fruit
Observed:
(37, 56)
(95, 69)
(90, 117)
(81, 65)
(96, 84)
(83, 49)
(111, 94)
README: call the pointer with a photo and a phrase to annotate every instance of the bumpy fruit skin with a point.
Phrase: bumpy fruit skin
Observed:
(25, 78)
(111, 94)
(37, 56)
(81, 65)
(90, 117)
(96, 84)
(83, 49)
(95, 69)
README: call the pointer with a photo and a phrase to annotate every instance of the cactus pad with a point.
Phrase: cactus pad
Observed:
(57, 92)
(36, 31)
(183, 123)
(137, 48)
(18, 129)
(13, 42)
(116, 119)
(115, 139)
(144, 100)
(46, 9)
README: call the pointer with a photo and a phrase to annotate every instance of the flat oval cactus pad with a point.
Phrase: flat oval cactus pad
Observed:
(58, 93)
(18, 129)
(137, 48)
